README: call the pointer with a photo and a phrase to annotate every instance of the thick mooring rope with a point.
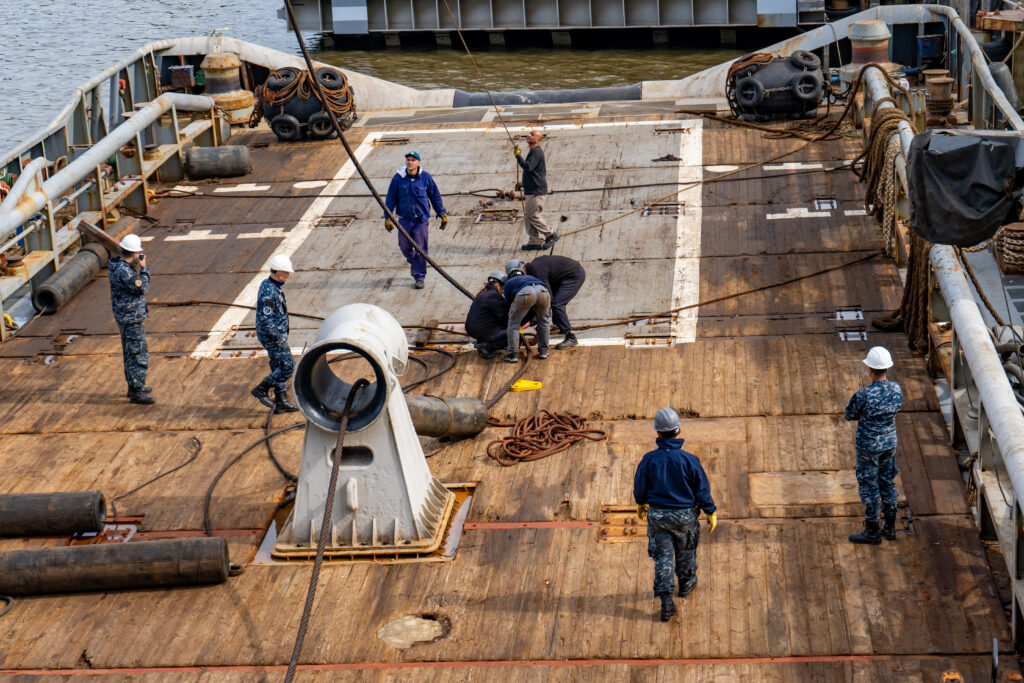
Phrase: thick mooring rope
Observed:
(539, 436)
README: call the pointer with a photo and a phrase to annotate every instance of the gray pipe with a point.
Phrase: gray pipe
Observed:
(85, 165)
(112, 566)
(51, 514)
(58, 289)
(433, 416)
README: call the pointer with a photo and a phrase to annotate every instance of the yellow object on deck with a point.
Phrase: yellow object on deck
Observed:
(525, 385)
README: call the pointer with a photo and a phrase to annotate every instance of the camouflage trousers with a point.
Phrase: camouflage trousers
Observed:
(136, 355)
(672, 538)
(876, 474)
(281, 365)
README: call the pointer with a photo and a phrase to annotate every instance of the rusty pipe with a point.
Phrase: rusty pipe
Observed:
(31, 202)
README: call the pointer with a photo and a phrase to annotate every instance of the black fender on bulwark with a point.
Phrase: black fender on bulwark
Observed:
(286, 127)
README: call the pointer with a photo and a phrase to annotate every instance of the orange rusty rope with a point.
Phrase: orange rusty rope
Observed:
(540, 436)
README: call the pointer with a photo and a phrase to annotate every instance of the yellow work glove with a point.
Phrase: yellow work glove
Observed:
(444, 221)
(388, 225)
(712, 522)
(517, 151)
(519, 186)
(641, 512)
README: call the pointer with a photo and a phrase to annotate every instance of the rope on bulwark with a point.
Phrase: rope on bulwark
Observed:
(325, 530)
(540, 436)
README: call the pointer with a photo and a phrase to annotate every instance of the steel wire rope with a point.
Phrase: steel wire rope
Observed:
(325, 528)
(359, 167)
(9, 603)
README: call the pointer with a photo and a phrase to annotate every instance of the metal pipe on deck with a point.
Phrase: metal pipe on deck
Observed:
(994, 390)
(51, 514)
(32, 202)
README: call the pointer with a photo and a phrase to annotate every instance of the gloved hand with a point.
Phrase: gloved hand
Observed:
(641, 512)
(712, 522)
(444, 221)
(388, 225)
(516, 151)
(519, 186)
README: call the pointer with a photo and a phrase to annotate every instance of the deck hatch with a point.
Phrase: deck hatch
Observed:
(824, 203)
(853, 334)
(849, 313)
(497, 216)
(336, 221)
(390, 140)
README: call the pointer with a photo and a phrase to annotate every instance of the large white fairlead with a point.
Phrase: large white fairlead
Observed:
(387, 500)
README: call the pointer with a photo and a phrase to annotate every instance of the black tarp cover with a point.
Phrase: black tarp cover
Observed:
(962, 186)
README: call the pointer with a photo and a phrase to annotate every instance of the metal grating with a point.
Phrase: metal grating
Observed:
(665, 209)
(825, 203)
(390, 140)
(335, 221)
(857, 334)
(497, 216)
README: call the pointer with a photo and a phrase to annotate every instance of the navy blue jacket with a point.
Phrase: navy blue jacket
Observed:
(128, 291)
(669, 477)
(271, 312)
(487, 315)
(514, 284)
(410, 198)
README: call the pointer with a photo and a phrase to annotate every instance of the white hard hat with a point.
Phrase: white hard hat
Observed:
(131, 242)
(281, 262)
(878, 358)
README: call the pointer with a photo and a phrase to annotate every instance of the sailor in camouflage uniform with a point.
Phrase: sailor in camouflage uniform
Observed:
(128, 288)
(874, 408)
(272, 331)
(671, 489)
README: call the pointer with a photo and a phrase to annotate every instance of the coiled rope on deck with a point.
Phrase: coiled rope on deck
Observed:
(539, 436)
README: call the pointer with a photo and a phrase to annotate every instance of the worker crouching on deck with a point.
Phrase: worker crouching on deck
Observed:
(671, 489)
(874, 408)
(272, 331)
(524, 293)
(411, 194)
(563, 277)
(487, 320)
(129, 282)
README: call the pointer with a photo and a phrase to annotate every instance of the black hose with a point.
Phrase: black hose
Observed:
(7, 607)
(290, 476)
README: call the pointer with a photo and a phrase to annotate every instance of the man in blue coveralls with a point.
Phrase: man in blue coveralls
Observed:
(671, 489)
(411, 194)
(272, 331)
(129, 282)
(874, 408)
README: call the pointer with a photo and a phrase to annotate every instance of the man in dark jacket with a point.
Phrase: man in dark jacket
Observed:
(535, 187)
(411, 194)
(563, 277)
(128, 288)
(671, 489)
(487, 320)
(524, 293)
(272, 332)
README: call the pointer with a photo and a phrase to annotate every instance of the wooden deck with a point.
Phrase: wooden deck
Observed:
(762, 380)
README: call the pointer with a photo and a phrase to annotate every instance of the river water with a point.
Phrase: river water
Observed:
(52, 46)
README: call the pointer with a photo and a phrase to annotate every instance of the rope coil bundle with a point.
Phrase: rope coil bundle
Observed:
(1010, 244)
(540, 436)
(292, 94)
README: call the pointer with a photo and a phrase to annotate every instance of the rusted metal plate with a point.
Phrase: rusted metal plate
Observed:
(1001, 20)
(620, 524)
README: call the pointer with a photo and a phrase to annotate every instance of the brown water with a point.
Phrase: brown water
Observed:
(527, 68)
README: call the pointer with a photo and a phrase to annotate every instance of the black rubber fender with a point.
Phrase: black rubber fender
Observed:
(749, 92)
(806, 87)
(286, 128)
(320, 125)
(802, 59)
(281, 78)
(1004, 79)
(330, 78)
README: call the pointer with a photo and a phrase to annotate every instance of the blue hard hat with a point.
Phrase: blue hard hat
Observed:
(414, 155)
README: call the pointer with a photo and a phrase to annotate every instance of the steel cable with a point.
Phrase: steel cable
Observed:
(325, 530)
(359, 167)
(196, 446)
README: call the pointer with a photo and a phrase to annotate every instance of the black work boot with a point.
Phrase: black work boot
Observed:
(145, 390)
(511, 357)
(260, 391)
(684, 591)
(567, 343)
(140, 396)
(484, 352)
(668, 606)
(870, 535)
(282, 404)
(889, 528)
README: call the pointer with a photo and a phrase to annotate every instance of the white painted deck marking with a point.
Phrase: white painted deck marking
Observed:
(232, 317)
(148, 238)
(309, 184)
(855, 212)
(185, 188)
(265, 233)
(195, 236)
(721, 168)
(793, 166)
(244, 187)
(686, 273)
(799, 212)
